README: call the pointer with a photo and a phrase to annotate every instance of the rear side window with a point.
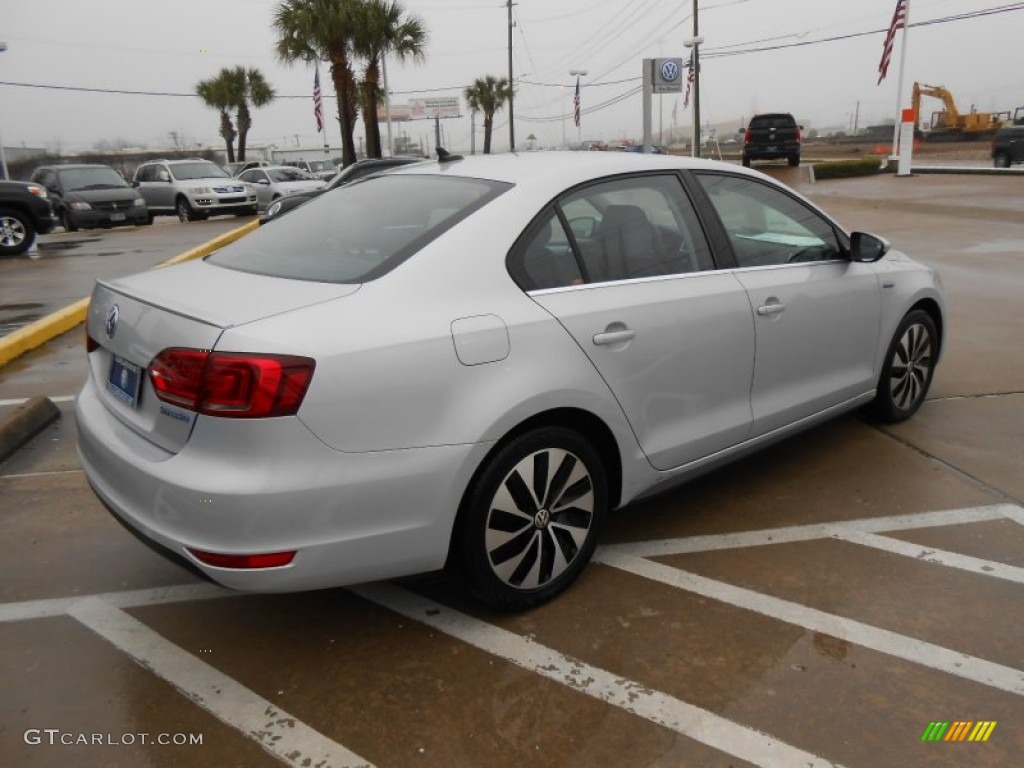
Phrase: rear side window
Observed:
(361, 231)
(626, 229)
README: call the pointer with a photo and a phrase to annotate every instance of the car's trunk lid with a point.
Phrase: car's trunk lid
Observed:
(134, 319)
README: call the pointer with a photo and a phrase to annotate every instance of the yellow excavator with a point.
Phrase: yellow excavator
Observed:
(950, 124)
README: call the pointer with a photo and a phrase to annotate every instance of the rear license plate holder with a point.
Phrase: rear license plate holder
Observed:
(123, 381)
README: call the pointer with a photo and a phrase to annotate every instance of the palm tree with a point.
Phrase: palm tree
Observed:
(487, 95)
(382, 27)
(217, 93)
(248, 87)
(321, 30)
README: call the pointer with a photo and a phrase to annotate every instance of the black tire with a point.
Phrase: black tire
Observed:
(66, 222)
(148, 220)
(794, 161)
(908, 369)
(184, 210)
(746, 161)
(16, 232)
(1002, 160)
(517, 550)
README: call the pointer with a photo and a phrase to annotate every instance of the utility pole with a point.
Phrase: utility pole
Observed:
(696, 83)
(512, 84)
(3, 157)
(856, 118)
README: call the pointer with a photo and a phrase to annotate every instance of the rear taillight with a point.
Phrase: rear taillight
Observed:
(799, 134)
(748, 136)
(231, 384)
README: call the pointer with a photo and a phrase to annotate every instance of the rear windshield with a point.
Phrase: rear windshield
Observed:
(358, 232)
(772, 121)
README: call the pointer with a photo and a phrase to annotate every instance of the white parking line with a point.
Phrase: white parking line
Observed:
(816, 531)
(23, 475)
(276, 731)
(900, 646)
(938, 556)
(657, 707)
(41, 609)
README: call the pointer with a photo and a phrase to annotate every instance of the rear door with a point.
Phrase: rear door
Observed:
(816, 313)
(624, 266)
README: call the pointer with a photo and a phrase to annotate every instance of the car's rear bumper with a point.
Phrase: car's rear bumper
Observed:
(272, 486)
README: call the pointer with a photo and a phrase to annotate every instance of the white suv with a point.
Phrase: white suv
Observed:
(193, 189)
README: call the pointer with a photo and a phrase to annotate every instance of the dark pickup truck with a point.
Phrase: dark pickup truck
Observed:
(772, 136)
(1008, 146)
(24, 212)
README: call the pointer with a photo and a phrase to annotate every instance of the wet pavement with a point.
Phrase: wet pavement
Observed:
(819, 603)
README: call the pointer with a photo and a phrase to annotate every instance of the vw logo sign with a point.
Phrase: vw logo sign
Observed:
(111, 325)
(669, 71)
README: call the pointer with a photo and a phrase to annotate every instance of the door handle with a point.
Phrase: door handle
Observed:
(766, 310)
(613, 337)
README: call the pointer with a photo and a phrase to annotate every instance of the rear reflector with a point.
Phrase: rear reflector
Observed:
(230, 384)
(266, 560)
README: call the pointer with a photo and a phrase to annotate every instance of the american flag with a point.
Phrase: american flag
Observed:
(690, 75)
(899, 21)
(576, 103)
(318, 103)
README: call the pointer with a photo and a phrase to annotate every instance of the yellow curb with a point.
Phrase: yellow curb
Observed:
(45, 328)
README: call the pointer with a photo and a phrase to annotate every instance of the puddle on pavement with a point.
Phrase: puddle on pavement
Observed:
(14, 316)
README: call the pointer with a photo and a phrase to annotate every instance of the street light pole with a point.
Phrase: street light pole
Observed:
(3, 155)
(511, 86)
(695, 43)
(577, 73)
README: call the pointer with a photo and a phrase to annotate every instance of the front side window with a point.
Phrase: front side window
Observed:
(361, 231)
(767, 227)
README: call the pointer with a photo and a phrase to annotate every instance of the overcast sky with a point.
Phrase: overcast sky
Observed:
(144, 45)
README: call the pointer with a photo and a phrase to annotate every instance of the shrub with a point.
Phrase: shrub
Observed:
(847, 169)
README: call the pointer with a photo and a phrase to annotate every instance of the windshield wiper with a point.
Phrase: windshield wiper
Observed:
(99, 186)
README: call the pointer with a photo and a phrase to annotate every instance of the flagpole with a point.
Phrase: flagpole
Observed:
(327, 150)
(899, 83)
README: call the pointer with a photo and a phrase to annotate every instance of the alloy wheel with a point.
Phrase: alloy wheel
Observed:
(12, 232)
(539, 518)
(911, 366)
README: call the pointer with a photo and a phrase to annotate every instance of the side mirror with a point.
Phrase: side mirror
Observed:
(867, 248)
(264, 182)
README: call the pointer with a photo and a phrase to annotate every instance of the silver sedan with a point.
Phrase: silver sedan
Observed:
(470, 362)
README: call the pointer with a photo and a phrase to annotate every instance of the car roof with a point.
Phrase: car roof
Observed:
(559, 168)
(71, 166)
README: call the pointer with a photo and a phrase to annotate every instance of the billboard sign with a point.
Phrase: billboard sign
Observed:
(435, 106)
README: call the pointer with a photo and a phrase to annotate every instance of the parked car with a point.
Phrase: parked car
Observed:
(322, 169)
(276, 181)
(235, 168)
(1008, 146)
(772, 136)
(25, 211)
(470, 362)
(89, 196)
(357, 170)
(193, 189)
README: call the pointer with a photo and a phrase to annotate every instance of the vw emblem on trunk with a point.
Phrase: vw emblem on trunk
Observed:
(111, 325)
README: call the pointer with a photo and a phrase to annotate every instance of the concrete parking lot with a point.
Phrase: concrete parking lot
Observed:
(821, 603)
